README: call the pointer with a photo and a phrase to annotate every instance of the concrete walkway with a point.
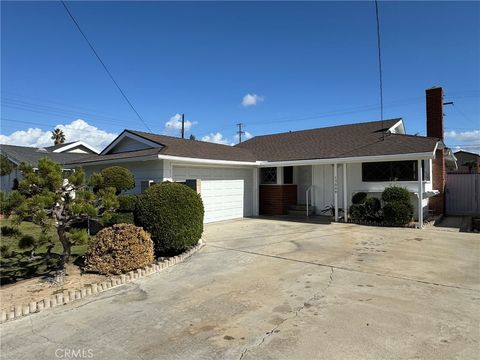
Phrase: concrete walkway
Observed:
(266, 289)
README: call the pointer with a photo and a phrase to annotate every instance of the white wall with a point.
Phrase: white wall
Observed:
(323, 182)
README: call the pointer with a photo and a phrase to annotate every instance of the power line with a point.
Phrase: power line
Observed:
(104, 66)
(379, 64)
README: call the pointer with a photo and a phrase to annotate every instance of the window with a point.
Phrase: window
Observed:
(288, 175)
(268, 175)
(390, 171)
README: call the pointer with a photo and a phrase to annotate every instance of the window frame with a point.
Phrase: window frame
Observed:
(262, 176)
(393, 168)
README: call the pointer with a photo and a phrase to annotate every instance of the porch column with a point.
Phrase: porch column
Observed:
(279, 175)
(420, 194)
(335, 190)
(345, 193)
(256, 184)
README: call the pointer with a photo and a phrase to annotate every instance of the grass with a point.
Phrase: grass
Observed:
(18, 264)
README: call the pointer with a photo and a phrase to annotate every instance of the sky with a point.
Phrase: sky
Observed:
(273, 66)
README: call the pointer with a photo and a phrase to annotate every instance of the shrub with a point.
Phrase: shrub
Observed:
(357, 212)
(26, 242)
(116, 177)
(396, 193)
(119, 249)
(127, 203)
(398, 213)
(13, 231)
(372, 207)
(173, 214)
(359, 198)
(121, 218)
(5, 251)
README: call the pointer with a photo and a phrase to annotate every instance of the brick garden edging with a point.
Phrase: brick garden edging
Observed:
(68, 296)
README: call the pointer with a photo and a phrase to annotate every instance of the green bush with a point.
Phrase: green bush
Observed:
(398, 213)
(13, 231)
(396, 194)
(127, 203)
(121, 218)
(5, 251)
(357, 212)
(117, 177)
(372, 207)
(173, 214)
(119, 249)
(26, 242)
(359, 198)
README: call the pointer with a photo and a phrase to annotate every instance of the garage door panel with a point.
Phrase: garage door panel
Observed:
(220, 183)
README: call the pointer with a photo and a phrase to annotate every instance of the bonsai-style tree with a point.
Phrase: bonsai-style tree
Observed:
(50, 199)
(6, 166)
(116, 177)
(58, 137)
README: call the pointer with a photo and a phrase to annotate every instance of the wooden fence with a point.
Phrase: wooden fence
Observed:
(462, 194)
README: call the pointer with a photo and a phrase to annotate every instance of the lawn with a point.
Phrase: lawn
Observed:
(17, 264)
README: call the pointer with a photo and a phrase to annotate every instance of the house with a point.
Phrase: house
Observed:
(61, 153)
(467, 163)
(270, 174)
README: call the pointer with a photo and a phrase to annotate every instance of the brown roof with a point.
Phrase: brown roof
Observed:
(363, 139)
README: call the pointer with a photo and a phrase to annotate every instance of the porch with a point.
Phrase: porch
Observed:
(327, 188)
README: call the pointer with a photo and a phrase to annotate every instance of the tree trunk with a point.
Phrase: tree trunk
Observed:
(67, 247)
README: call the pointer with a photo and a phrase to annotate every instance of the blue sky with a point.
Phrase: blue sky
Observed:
(310, 64)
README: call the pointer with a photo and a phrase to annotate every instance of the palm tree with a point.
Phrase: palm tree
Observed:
(58, 137)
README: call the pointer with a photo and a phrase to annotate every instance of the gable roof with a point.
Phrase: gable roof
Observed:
(354, 140)
(343, 141)
(466, 152)
(58, 146)
(31, 155)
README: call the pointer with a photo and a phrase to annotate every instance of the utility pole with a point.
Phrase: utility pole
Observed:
(240, 132)
(183, 126)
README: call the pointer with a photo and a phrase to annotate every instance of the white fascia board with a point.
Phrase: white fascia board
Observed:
(208, 161)
(396, 157)
(397, 124)
(130, 135)
(75, 144)
(114, 161)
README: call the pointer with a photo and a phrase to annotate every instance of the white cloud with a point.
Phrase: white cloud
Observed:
(216, 138)
(175, 123)
(251, 99)
(464, 140)
(77, 130)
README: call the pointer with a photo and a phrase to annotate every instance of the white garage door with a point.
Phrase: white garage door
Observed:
(222, 199)
(229, 190)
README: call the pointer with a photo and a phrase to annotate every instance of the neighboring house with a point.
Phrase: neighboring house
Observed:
(268, 174)
(62, 154)
(467, 163)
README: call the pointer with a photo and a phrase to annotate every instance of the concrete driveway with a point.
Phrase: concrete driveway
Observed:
(264, 289)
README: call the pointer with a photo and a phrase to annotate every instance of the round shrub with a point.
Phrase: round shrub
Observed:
(117, 177)
(359, 198)
(119, 249)
(26, 242)
(173, 214)
(396, 193)
(398, 213)
(357, 212)
(372, 206)
(126, 203)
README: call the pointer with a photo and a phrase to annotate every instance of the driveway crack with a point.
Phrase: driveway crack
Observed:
(269, 333)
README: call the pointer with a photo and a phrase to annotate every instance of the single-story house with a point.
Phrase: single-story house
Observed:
(61, 154)
(304, 170)
(467, 163)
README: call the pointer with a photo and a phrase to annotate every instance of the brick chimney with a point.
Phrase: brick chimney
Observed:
(434, 100)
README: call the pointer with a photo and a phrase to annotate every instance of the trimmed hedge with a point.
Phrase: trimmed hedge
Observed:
(121, 218)
(119, 249)
(357, 212)
(359, 198)
(126, 203)
(395, 193)
(398, 213)
(117, 177)
(372, 208)
(173, 214)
